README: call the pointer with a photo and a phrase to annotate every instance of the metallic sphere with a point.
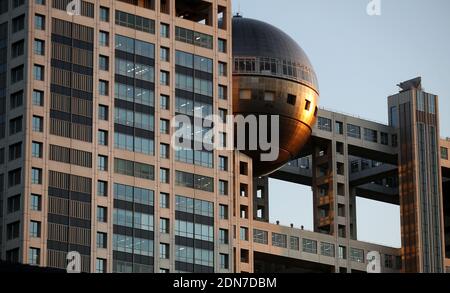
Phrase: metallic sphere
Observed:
(273, 76)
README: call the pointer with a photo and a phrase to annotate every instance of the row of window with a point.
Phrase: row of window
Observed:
(194, 231)
(354, 131)
(134, 194)
(194, 206)
(132, 219)
(135, 169)
(194, 181)
(310, 246)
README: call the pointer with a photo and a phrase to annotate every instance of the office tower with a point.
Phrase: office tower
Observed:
(88, 163)
(416, 114)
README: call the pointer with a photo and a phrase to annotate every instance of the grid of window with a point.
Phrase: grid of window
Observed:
(194, 256)
(370, 135)
(34, 256)
(194, 181)
(194, 206)
(130, 168)
(102, 240)
(193, 37)
(36, 149)
(132, 245)
(164, 226)
(324, 124)
(309, 246)
(357, 255)
(133, 194)
(223, 236)
(353, 131)
(327, 249)
(36, 202)
(444, 153)
(35, 229)
(164, 200)
(260, 236)
(135, 220)
(135, 22)
(39, 47)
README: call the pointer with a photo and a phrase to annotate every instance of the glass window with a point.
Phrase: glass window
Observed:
(100, 266)
(164, 200)
(103, 112)
(353, 131)
(222, 45)
(35, 229)
(260, 236)
(102, 240)
(164, 226)
(223, 212)
(17, 49)
(357, 255)
(444, 153)
(164, 126)
(38, 124)
(103, 137)
(38, 72)
(224, 261)
(103, 39)
(324, 124)
(164, 102)
(223, 236)
(39, 22)
(243, 233)
(165, 54)
(223, 163)
(36, 149)
(103, 63)
(223, 187)
(327, 249)
(36, 176)
(104, 14)
(102, 188)
(35, 202)
(102, 214)
(102, 163)
(165, 78)
(309, 246)
(164, 151)
(34, 256)
(164, 251)
(16, 100)
(103, 88)
(39, 47)
(279, 240)
(339, 127)
(370, 135)
(133, 194)
(342, 252)
(222, 69)
(223, 95)
(384, 138)
(165, 30)
(164, 176)
(38, 98)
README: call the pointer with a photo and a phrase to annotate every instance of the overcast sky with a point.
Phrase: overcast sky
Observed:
(359, 60)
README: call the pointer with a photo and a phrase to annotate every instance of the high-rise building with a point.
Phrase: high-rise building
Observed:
(87, 162)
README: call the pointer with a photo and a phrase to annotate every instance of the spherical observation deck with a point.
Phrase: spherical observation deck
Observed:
(272, 75)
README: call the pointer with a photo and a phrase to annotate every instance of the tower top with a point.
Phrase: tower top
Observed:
(415, 83)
